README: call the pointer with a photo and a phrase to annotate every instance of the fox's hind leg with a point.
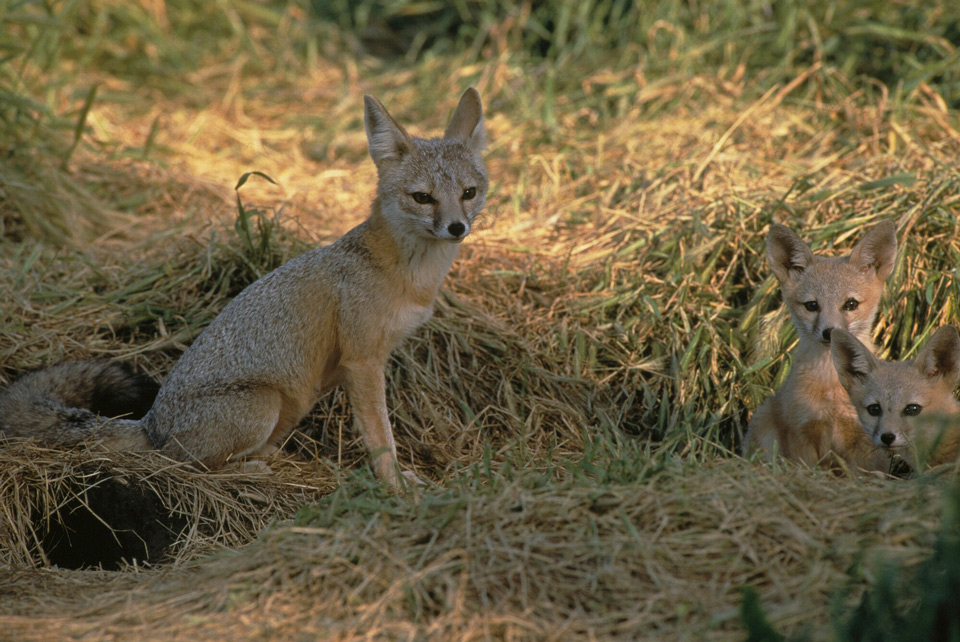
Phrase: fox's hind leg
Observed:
(216, 430)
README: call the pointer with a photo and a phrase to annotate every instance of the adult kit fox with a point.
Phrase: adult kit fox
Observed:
(810, 419)
(905, 407)
(330, 316)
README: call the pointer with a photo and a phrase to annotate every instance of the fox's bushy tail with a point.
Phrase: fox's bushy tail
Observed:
(73, 402)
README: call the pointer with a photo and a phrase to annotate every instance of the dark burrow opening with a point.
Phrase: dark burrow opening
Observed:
(107, 523)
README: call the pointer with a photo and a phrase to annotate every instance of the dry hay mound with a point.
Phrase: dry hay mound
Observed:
(83, 508)
(520, 556)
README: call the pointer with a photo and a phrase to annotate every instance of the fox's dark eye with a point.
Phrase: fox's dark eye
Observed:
(812, 306)
(469, 193)
(874, 410)
(423, 198)
(912, 409)
(850, 305)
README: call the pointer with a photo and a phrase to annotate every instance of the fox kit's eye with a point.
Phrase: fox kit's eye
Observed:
(912, 409)
(874, 410)
(469, 193)
(850, 305)
(812, 306)
(423, 198)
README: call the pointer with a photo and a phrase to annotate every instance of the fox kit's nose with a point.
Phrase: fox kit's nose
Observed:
(456, 229)
(888, 438)
(826, 334)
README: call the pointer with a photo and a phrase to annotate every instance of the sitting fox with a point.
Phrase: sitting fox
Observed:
(330, 316)
(908, 407)
(810, 419)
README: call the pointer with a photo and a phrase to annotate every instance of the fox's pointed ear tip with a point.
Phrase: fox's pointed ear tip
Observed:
(886, 228)
(950, 331)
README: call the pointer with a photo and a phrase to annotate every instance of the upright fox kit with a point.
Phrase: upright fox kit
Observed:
(330, 316)
(810, 419)
(905, 407)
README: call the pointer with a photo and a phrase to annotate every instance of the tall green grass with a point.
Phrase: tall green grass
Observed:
(896, 44)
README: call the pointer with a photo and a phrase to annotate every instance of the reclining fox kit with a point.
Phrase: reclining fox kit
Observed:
(906, 408)
(810, 419)
(330, 316)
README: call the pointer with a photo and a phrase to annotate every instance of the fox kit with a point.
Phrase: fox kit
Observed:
(810, 419)
(905, 407)
(330, 316)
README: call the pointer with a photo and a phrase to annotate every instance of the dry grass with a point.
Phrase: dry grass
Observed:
(42, 486)
(490, 558)
(594, 356)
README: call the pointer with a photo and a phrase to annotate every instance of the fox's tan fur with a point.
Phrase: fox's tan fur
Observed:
(331, 316)
(810, 419)
(906, 407)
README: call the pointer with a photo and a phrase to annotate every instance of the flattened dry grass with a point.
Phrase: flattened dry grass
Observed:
(594, 355)
(522, 558)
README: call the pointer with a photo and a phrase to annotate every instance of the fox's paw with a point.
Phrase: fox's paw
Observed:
(405, 482)
(410, 480)
(254, 466)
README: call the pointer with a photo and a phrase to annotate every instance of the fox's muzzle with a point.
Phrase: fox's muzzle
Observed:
(453, 231)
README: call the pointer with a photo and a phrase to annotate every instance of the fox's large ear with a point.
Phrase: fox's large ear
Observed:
(466, 125)
(940, 357)
(851, 358)
(786, 253)
(877, 250)
(387, 140)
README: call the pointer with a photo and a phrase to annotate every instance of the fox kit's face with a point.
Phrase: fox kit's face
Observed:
(830, 294)
(901, 405)
(430, 188)
(824, 293)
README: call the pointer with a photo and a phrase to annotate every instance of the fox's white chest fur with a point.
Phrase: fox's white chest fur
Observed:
(406, 320)
(426, 271)
(814, 383)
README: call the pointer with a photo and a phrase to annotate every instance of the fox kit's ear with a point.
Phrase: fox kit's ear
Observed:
(877, 250)
(786, 253)
(387, 140)
(466, 125)
(940, 358)
(851, 358)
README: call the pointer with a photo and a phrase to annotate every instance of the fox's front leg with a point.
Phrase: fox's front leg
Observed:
(366, 389)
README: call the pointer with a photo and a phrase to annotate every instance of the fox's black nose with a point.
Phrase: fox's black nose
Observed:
(888, 438)
(826, 334)
(456, 229)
